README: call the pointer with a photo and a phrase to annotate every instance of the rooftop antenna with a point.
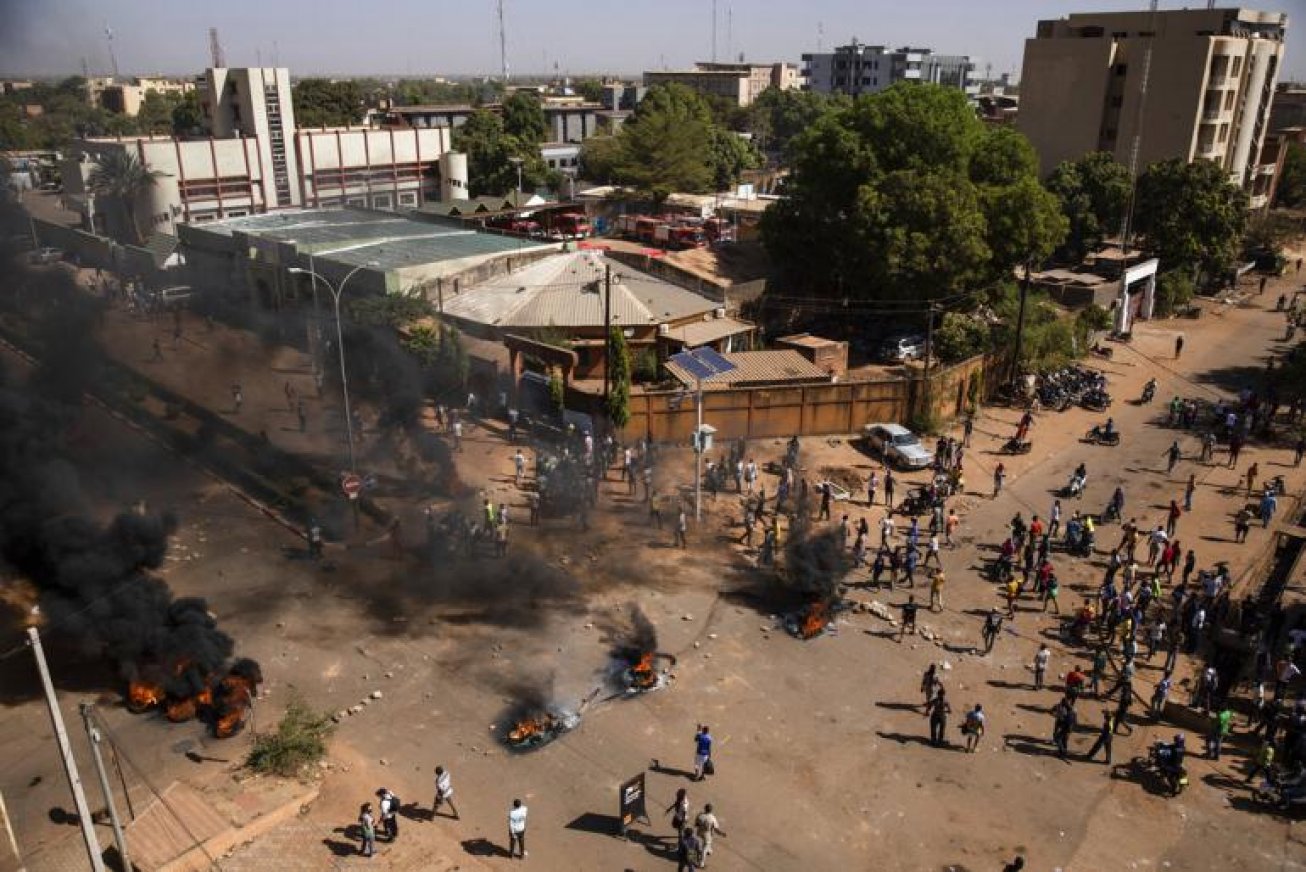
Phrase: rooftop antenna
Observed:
(215, 49)
(730, 30)
(503, 43)
(113, 59)
(1125, 227)
(820, 36)
(86, 69)
(713, 31)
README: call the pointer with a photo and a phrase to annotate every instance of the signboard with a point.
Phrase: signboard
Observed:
(632, 801)
(351, 484)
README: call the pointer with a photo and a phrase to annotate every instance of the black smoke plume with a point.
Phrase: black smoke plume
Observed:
(815, 561)
(97, 591)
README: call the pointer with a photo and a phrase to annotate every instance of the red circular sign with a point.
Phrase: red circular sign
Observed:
(351, 484)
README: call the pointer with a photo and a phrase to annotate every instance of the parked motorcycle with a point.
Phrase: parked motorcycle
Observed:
(1149, 391)
(1017, 446)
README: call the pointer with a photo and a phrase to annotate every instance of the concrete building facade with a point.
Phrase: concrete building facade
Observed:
(739, 83)
(865, 69)
(1204, 91)
(256, 160)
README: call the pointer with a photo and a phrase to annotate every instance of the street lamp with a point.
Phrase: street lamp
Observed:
(517, 162)
(336, 293)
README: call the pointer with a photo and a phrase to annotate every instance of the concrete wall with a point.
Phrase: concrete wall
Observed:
(1063, 88)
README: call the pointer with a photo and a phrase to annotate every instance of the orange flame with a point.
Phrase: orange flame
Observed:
(531, 726)
(815, 620)
(142, 695)
(642, 673)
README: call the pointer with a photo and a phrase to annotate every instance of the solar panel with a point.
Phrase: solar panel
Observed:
(708, 356)
(691, 364)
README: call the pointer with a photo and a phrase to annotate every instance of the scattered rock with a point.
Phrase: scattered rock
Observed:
(376, 694)
(355, 709)
(384, 762)
(698, 644)
(946, 665)
(389, 675)
(711, 635)
(686, 617)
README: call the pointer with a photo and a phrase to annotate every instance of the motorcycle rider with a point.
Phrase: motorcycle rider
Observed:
(1078, 480)
(1149, 390)
(1170, 760)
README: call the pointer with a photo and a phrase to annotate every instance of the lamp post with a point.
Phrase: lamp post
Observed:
(517, 162)
(336, 294)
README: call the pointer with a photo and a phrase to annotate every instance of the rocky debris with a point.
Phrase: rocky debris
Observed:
(686, 617)
(376, 694)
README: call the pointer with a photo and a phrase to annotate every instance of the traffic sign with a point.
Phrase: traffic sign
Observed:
(351, 484)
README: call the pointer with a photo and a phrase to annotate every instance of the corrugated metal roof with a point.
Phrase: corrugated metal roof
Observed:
(760, 367)
(565, 290)
(702, 332)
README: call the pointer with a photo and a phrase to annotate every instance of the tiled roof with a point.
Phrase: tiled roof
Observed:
(698, 333)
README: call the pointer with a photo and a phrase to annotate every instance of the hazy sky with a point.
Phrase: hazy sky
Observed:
(416, 37)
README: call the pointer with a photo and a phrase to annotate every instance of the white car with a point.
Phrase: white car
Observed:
(898, 445)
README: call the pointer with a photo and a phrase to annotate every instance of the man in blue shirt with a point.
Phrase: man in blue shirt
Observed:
(702, 752)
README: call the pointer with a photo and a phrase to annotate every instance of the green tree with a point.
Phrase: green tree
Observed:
(1291, 191)
(599, 158)
(960, 336)
(187, 116)
(155, 115)
(523, 117)
(776, 117)
(905, 194)
(490, 151)
(122, 179)
(1190, 216)
(729, 154)
(619, 375)
(324, 103)
(557, 391)
(1174, 290)
(590, 89)
(664, 145)
(1093, 192)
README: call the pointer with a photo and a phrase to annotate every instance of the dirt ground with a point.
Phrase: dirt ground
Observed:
(821, 751)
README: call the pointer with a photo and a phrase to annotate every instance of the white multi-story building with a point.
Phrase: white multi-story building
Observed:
(865, 69)
(256, 159)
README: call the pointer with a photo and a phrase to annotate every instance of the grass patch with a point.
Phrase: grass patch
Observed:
(298, 742)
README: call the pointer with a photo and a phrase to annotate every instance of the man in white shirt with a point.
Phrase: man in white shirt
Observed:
(517, 829)
(443, 793)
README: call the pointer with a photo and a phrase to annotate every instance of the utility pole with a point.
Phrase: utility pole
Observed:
(503, 43)
(698, 454)
(1020, 323)
(607, 332)
(713, 31)
(929, 353)
(66, 752)
(93, 733)
(113, 58)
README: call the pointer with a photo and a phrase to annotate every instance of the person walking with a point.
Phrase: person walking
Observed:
(889, 482)
(1172, 456)
(458, 434)
(1041, 658)
(679, 810)
(682, 529)
(1054, 519)
(936, 589)
(1242, 524)
(367, 830)
(237, 398)
(1269, 505)
(909, 609)
(1122, 711)
(1105, 734)
(1221, 726)
(1161, 695)
(1063, 724)
(688, 850)
(443, 793)
(1252, 471)
(517, 829)
(937, 710)
(519, 468)
(973, 727)
(992, 626)
(1178, 346)
(702, 753)
(950, 528)
(967, 427)
(999, 476)
(1189, 490)
(930, 683)
(1172, 518)
(389, 807)
(1261, 761)
(706, 827)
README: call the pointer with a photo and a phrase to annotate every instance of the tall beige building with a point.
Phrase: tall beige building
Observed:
(1209, 84)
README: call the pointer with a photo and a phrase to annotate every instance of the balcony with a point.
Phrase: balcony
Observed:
(1209, 149)
(1210, 116)
(1218, 80)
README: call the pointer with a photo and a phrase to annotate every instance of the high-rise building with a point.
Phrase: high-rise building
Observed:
(1178, 83)
(864, 69)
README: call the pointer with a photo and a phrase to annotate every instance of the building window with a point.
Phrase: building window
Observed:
(355, 201)
(382, 201)
(408, 199)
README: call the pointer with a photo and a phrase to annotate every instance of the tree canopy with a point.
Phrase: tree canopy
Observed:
(523, 117)
(1093, 192)
(670, 143)
(490, 150)
(1190, 216)
(1292, 181)
(776, 117)
(324, 103)
(904, 194)
(119, 177)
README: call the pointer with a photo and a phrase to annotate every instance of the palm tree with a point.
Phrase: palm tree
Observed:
(121, 177)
